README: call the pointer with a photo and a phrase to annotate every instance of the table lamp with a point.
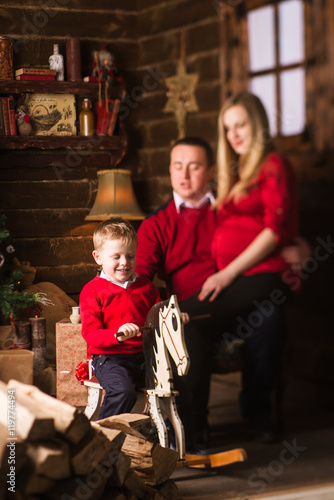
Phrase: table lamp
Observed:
(115, 197)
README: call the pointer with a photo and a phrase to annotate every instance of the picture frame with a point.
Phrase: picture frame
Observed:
(51, 114)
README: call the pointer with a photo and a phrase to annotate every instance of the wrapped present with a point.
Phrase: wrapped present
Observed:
(71, 349)
(17, 364)
(7, 336)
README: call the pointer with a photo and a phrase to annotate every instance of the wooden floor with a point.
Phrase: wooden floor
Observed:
(300, 466)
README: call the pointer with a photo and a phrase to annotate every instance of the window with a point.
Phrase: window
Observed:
(277, 64)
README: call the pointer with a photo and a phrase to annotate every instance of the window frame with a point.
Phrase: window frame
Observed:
(234, 61)
(283, 140)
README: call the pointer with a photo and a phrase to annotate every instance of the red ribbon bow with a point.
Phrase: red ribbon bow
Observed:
(81, 372)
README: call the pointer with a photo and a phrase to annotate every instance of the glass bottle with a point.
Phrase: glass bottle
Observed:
(86, 118)
(56, 61)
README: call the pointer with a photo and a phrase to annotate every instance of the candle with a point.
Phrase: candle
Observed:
(38, 342)
(22, 334)
(73, 60)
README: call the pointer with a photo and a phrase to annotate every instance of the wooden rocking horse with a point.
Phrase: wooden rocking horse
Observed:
(164, 333)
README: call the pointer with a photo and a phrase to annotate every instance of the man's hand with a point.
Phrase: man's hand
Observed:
(296, 255)
(127, 330)
(185, 318)
(215, 283)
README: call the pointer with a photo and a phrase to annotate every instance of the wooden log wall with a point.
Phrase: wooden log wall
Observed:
(160, 29)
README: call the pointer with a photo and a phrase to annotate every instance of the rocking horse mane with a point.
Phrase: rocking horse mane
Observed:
(149, 342)
(152, 317)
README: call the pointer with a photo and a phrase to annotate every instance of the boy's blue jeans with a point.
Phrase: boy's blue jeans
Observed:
(119, 375)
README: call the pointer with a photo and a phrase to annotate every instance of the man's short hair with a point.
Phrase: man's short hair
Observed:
(115, 228)
(197, 141)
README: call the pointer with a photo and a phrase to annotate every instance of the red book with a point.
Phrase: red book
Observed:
(113, 119)
(104, 112)
(4, 102)
(35, 77)
(11, 116)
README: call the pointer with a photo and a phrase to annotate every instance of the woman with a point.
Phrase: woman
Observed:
(257, 203)
(256, 198)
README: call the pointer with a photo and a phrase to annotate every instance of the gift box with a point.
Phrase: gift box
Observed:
(17, 364)
(71, 349)
(7, 336)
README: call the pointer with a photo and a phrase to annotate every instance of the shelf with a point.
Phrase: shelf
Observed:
(42, 87)
(66, 142)
(116, 143)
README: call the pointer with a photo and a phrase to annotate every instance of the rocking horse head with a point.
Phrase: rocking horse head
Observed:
(165, 335)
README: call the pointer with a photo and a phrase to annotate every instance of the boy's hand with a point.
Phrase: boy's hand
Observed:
(127, 330)
(185, 318)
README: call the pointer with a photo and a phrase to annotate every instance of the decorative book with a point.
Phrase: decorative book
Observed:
(52, 114)
(35, 71)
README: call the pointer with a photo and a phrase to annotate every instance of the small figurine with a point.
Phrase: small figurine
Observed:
(23, 121)
(56, 62)
(104, 66)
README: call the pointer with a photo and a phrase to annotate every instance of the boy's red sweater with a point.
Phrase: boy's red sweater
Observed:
(104, 307)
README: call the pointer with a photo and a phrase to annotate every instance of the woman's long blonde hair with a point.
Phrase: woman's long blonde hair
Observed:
(235, 172)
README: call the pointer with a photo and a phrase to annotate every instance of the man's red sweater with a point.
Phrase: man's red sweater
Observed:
(177, 246)
(104, 307)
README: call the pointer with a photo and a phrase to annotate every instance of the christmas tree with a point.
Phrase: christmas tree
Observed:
(13, 301)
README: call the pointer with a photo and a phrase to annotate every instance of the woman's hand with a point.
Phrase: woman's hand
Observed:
(297, 255)
(215, 283)
(127, 331)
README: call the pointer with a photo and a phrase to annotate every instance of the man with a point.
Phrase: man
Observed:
(175, 243)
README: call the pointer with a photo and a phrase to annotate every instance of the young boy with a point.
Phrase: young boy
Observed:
(117, 301)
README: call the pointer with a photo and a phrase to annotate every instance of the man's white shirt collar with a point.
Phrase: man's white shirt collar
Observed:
(131, 280)
(180, 203)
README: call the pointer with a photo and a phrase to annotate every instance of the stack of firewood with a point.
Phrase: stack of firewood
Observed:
(49, 450)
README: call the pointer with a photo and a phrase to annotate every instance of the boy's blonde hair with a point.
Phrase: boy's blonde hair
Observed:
(115, 228)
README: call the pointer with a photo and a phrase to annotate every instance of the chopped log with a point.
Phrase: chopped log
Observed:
(9, 448)
(50, 458)
(68, 420)
(135, 485)
(113, 494)
(89, 487)
(117, 422)
(169, 491)
(92, 449)
(28, 422)
(120, 470)
(33, 484)
(95, 468)
(130, 496)
(153, 463)
(141, 423)
(115, 436)
(163, 465)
